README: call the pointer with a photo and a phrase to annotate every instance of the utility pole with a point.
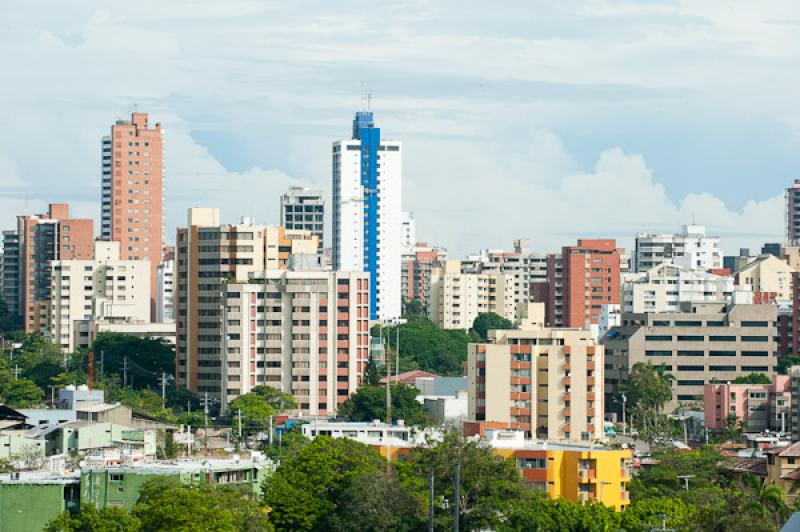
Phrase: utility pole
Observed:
(163, 389)
(624, 405)
(102, 361)
(124, 371)
(685, 479)
(457, 496)
(239, 415)
(430, 500)
(397, 354)
(205, 421)
(16, 372)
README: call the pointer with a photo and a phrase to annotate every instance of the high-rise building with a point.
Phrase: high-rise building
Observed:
(103, 288)
(303, 208)
(455, 299)
(547, 382)
(691, 247)
(165, 300)
(527, 268)
(38, 240)
(580, 281)
(367, 186)
(305, 333)
(793, 214)
(418, 263)
(664, 287)
(133, 192)
(703, 342)
(769, 277)
(209, 255)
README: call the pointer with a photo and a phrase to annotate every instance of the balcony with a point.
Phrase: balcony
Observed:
(587, 475)
(567, 396)
(590, 381)
(567, 366)
(566, 412)
(567, 381)
(590, 365)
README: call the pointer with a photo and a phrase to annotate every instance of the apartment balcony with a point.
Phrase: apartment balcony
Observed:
(567, 366)
(625, 473)
(584, 496)
(567, 381)
(590, 381)
(590, 365)
(587, 475)
(567, 396)
(520, 396)
(566, 412)
(590, 396)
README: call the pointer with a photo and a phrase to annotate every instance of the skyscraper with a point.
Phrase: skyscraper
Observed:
(367, 187)
(793, 214)
(133, 192)
(303, 208)
(38, 240)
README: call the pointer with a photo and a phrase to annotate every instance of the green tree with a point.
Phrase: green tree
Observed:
(426, 347)
(784, 363)
(90, 519)
(371, 374)
(412, 307)
(20, 393)
(662, 480)
(307, 488)
(489, 483)
(488, 321)
(647, 389)
(376, 502)
(768, 501)
(752, 378)
(369, 402)
(536, 513)
(147, 359)
(733, 427)
(645, 514)
(166, 504)
(257, 406)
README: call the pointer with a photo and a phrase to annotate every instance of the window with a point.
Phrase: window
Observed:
(755, 338)
(690, 338)
(755, 324)
(116, 477)
(658, 353)
(658, 338)
(721, 338)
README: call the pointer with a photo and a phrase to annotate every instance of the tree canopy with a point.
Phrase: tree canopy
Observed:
(369, 402)
(146, 358)
(752, 378)
(488, 321)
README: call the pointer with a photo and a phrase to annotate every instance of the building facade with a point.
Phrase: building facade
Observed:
(418, 263)
(209, 255)
(367, 227)
(705, 342)
(304, 333)
(455, 299)
(304, 209)
(580, 281)
(545, 382)
(132, 192)
(408, 230)
(769, 277)
(691, 248)
(793, 214)
(37, 241)
(105, 288)
(165, 300)
(758, 407)
(664, 287)
(528, 269)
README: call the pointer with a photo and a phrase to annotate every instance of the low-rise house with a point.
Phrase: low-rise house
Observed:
(29, 500)
(757, 407)
(783, 469)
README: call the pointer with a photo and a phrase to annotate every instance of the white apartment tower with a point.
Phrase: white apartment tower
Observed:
(303, 208)
(165, 295)
(691, 248)
(367, 225)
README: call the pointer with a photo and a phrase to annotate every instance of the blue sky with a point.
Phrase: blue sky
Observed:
(543, 120)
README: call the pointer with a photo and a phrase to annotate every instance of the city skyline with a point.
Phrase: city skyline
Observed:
(540, 130)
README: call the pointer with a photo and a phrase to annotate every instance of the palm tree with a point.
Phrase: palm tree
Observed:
(766, 498)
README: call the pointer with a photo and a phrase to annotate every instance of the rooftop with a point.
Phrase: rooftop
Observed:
(38, 477)
(185, 465)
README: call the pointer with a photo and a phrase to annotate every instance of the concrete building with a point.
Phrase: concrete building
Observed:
(580, 281)
(38, 240)
(793, 214)
(119, 485)
(769, 277)
(30, 499)
(783, 469)
(455, 299)
(208, 256)
(418, 263)
(759, 407)
(165, 294)
(367, 227)
(305, 333)
(304, 209)
(132, 192)
(575, 473)
(105, 288)
(794, 386)
(664, 287)
(691, 248)
(703, 342)
(526, 268)
(546, 382)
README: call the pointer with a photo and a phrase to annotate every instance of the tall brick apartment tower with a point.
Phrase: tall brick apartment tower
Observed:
(133, 192)
(580, 280)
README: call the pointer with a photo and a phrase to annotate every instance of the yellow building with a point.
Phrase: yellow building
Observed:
(575, 473)
(783, 469)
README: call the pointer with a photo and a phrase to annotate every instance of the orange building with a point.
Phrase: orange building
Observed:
(580, 280)
(38, 240)
(133, 192)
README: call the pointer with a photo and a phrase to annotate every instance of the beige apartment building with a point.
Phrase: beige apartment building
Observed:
(706, 342)
(105, 288)
(303, 332)
(455, 299)
(208, 256)
(770, 278)
(546, 382)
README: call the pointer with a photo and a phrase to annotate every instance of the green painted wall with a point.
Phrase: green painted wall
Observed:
(29, 507)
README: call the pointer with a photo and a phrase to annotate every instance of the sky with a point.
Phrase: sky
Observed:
(545, 120)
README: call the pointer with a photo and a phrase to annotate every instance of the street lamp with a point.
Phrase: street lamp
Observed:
(685, 479)
(624, 406)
